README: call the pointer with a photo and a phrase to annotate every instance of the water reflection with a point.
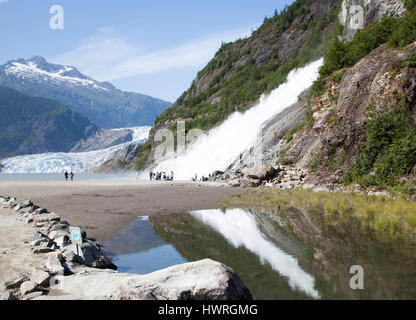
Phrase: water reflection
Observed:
(240, 228)
(279, 255)
(140, 250)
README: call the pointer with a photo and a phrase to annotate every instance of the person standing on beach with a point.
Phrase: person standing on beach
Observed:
(151, 175)
(72, 176)
(66, 175)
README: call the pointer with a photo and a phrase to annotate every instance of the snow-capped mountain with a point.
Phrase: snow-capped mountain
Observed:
(100, 102)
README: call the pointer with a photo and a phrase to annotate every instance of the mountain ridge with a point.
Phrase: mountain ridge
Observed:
(100, 102)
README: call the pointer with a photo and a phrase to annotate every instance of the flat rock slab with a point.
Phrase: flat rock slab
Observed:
(47, 217)
(28, 287)
(41, 278)
(41, 250)
(16, 282)
(201, 280)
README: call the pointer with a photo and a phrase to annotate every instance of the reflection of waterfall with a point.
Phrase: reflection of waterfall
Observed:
(223, 144)
(239, 227)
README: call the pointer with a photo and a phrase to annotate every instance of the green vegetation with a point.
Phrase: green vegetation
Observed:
(34, 125)
(143, 156)
(241, 86)
(294, 130)
(315, 160)
(389, 151)
(380, 215)
(397, 32)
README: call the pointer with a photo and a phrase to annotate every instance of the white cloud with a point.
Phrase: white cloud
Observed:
(3, 1)
(108, 57)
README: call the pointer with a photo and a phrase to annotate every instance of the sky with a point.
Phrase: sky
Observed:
(152, 47)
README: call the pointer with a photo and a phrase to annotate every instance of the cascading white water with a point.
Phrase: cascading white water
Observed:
(240, 229)
(224, 144)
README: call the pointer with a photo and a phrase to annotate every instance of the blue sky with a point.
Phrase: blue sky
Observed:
(152, 47)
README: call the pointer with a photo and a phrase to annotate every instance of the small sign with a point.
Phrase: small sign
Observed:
(76, 235)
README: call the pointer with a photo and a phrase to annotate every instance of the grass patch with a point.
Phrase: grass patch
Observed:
(377, 214)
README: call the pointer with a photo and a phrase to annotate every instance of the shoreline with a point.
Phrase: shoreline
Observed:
(104, 208)
(41, 261)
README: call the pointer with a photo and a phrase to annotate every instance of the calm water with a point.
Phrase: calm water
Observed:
(277, 257)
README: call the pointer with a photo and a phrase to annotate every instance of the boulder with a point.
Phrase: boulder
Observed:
(5, 295)
(40, 238)
(200, 280)
(261, 172)
(53, 264)
(40, 211)
(63, 241)
(249, 183)
(16, 282)
(28, 287)
(89, 254)
(47, 217)
(33, 295)
(217, 173)
(94, 257)
(42, 250)
(41, 278)
(59, 234)
(23, 204)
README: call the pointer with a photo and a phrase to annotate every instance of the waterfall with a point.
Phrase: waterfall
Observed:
(222, 145)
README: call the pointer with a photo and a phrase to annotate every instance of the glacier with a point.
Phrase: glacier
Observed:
(81, 162)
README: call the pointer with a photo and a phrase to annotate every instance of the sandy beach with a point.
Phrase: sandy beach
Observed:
(103, 208)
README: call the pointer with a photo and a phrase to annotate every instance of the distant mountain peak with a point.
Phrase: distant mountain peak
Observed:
(99, 101)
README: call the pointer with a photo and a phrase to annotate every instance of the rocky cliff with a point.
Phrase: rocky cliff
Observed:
(243, 70)
(358, 14)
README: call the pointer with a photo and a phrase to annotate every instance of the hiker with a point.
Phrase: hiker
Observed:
(72, 176)
(66, 175)
(151, 175)
(171, 175)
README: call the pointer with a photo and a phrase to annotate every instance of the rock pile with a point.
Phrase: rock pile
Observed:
(283, 177)
(52, 238)
(84, 272)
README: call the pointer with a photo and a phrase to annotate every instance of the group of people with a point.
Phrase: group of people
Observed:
(67, 175)
(159, 176)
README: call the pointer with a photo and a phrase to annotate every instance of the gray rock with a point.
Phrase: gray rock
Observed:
(53, 264)
(94, 257)
(47, 217)
(28, 287)
(41, 211)
(217, 173)
(42, 250)
(33, 295)
(261, 172)
(63, 241)
(249, 183)
(41, 278)
(5, 295)
(16, 282)
(59, 233)
(200, 280)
